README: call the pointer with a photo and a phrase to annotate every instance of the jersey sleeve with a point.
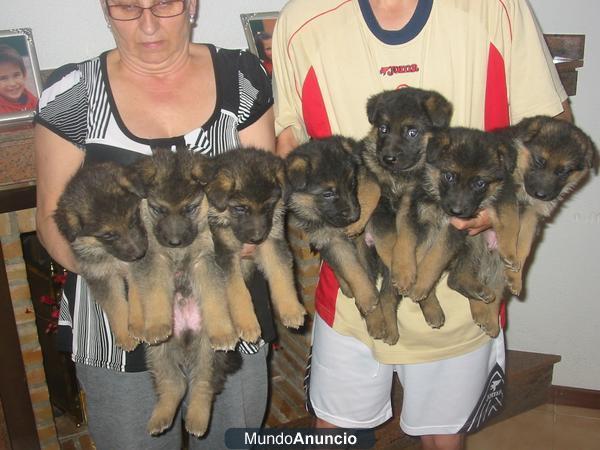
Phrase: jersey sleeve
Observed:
(64, 103)
(256, 94)
(535, 86)
(288, 104)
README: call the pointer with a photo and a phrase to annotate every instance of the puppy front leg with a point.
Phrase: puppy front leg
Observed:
(343, 258)
(433, 262)
(432, 310)
(275, 261)
(207, 285)
(505, 221)
(404, 258)
(109, 293)
(151, 285)
(368, 194)
(528, 228)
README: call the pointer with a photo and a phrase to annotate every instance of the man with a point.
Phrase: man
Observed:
(489, 59)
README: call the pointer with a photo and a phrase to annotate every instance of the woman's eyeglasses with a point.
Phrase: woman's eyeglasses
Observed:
(162, 9)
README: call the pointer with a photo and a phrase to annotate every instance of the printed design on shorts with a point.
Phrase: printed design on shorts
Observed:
(490, 403)
(306, 385)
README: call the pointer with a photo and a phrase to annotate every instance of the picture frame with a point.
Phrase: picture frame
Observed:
(258, 29)
(20, 79)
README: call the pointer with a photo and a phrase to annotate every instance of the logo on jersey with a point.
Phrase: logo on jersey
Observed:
(394, 70)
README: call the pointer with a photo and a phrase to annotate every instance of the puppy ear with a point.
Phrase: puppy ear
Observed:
(507, 154)
(219, 189)
(202, 169)
(130, 179)
(373, 107)
(438, 143)
(438, 109)
(298, 170)
(588, 148)
(527, 129)
(145, 172)
(68, 222)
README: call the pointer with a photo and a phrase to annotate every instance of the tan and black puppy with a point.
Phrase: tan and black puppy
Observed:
(193, 309)
(394, 152)
(246, 202)
(468, 170)
(99, 215)
(554, 157)
(175, 212)
(324, 177)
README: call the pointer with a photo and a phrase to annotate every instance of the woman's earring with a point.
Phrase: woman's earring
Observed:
(108, 25)
(192, 18)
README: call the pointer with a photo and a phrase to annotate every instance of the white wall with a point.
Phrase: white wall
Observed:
(73, 30)
(561, 311)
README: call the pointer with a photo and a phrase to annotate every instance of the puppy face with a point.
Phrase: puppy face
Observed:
(323, 179)
(99, 212)
(554, 158)
(173, 185)
(466, 169)
(246, 193)
(402, 121)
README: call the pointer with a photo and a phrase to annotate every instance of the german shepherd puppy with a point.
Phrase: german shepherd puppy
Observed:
(175, 212)
(246, 206)
(394, 152)
(554, 156)
(324, 176)
(99, 215)
(467, 170)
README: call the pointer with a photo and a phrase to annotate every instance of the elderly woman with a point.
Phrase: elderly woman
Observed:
(154, 87)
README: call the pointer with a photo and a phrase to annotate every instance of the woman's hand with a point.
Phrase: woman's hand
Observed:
(474, 226)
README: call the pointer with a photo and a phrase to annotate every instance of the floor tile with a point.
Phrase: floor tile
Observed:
(579, 412)
(576, 433)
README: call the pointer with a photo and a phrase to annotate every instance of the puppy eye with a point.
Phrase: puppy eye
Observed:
(479, 184)
(328, 194)
(240, 209)
(449, 177)
(108, 236)
(156, 209)
(563, 172)
(412, 133)
(384, 129)
(539, 162)
(191, 209)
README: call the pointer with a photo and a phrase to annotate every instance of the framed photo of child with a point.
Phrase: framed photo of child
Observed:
(258, 29)
(20, 81)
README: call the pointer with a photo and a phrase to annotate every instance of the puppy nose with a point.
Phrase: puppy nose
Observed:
(541, 195)
(391, 160)
(174, 242)
(457, 211)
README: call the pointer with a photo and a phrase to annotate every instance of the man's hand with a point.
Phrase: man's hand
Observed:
(474, 226)
(248, 251)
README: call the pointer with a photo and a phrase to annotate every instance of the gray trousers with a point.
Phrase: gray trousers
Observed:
(119, 406)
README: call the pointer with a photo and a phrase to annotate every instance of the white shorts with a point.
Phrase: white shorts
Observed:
(347, 387)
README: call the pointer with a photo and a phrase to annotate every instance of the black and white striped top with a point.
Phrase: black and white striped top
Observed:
(78, 105)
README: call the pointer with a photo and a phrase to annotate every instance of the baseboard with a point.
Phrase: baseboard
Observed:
(569, 396)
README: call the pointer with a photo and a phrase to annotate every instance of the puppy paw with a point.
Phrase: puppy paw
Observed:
(196, 421)
(490, 328)
(293, 316)
(434, 316)
(511, 263)
(126, 342)
(403, 279)
(157, 333)
(223, 340)
(485, 295)
(514, 282)
(159, 422)
(376, 326)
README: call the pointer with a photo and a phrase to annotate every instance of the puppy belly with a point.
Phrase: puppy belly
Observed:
(186, 315)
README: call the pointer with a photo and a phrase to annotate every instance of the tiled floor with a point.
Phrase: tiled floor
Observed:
(548, 427)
